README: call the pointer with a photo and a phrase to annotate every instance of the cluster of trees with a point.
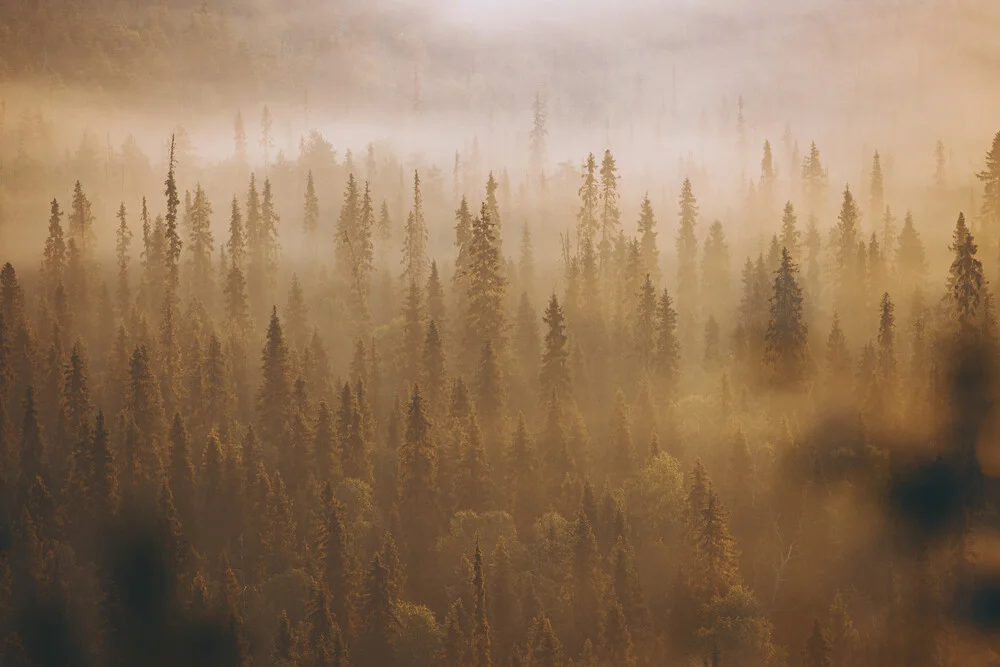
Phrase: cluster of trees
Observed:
(451, 463)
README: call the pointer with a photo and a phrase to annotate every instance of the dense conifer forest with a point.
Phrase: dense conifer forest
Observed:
(327, 401)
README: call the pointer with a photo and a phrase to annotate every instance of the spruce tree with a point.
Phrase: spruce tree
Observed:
(337, 566)
(967, 294)
(380, 623)
(876, 193)
(554, 378)
(990, 178)
(647, 239)
(172, 237)
(789, 231)
(587, 218)
(687, 256)
(526, 340)
(586, 584)
(715, 266)
(419, 502)
(667, 355)
(526, 261)
(310, 214)
(273, 396)
(616, 640)
(715, 569)
(434, 375)
(522, 478)
(123, 240)
(785, 342)
(435, 298)
(486, 288)
(814, 179)
(610, 215)
(415, 239)
(911, 261)
(54, 261)
(838, 357)
(644, 331)
(482, 649)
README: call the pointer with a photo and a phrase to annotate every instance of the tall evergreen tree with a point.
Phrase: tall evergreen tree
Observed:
(715, 269)
(54, 262)
(486, 287)
(415, 239)
(554, 376)
(419, 503)
(967, 294)
(587, 218)
(647, 239)
(379, 619)
(123, 240)
(482, 641)
(172, 236)
(667, 355)
(610, 215)
(814, 179)
(789, 230)
(786, 352)
(310, 214)
(990, 178)
(202, 245)
(273, 396)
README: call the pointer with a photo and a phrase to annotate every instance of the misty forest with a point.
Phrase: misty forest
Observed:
(399, 335)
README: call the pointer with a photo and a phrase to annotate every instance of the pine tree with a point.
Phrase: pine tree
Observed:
(647, 239)
(715, 266)
(123, 240)
(622, 456)
(789, 231)
(644, 331)
(379, 624)
(876, 196)
(482, 649)
(667, 355)
(537, 135)
(310, 214)
(419, 503)
(526, 261)
(838, 358)
(687, 256)
(526, 341)
(887, 342)
(765, 187)
(715, 568)
(296, 315)
(435, 298)
(846, 235)
(785, 352)
(586, 219)
(967, 294)
(813, 179)
(486, 287)
(990, 178)
(54, 262)
(911, 261)
(415, 239)
(76, 402)
(434, 375)
(181, 472)
(32, 455)
(338, 569)
(104, 486)
(522, 478)
(474, 488)
(202, 245)
(610, 215)
(554, 376)
(81, 222)
(172, 255)
(493, 208)
(273, 404)
(413, 335)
